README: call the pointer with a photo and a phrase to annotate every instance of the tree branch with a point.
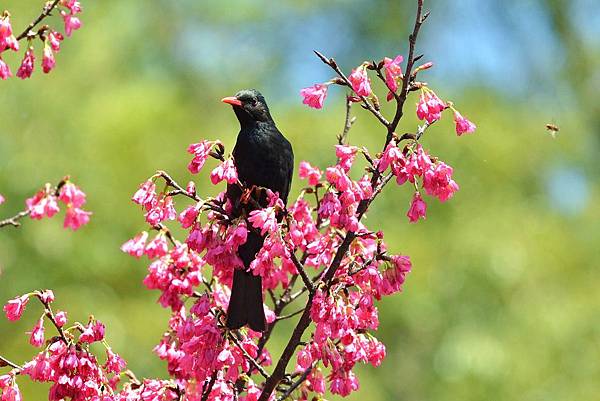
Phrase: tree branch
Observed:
(48, 7)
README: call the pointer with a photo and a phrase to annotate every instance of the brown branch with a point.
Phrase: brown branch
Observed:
(14, 221)
(296, 384)
(253, 361)
(207, 388)
(6, 362)
(348, 121)
(48, 7)
(412, 39)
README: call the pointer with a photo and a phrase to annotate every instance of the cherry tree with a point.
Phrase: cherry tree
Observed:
(321, 265)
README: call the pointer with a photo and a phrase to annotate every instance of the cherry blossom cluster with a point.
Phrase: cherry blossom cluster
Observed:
(429, 106)
(65, 361)
(51, 39)
(45, 203)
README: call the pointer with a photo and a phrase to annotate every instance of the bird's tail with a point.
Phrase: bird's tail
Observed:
(246, 301)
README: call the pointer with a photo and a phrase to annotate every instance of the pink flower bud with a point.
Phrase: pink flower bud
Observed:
(61, 318)
(361, 84)
(37, 334)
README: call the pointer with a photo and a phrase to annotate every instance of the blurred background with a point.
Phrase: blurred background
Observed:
(503, 300)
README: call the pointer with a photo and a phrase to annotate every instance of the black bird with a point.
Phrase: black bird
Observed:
(263, 158)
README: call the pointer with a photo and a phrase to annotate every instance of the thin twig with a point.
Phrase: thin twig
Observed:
(253, 361)
(14, 221)
(45, 12)
(296, 384)
(348, 121)
(6, 362)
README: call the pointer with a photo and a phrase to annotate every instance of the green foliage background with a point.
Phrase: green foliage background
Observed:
(503, 300)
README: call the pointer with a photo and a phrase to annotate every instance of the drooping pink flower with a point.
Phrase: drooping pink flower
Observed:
(264, 219)
(15, 307)
(418, 208)
(438, 181)
(201, 152)
(93, 332)
(71, 194)
(392, 72)
(313, 174)
(346, 155)
(36, 337)
(61, 318)
(42, 204)
(48, 60)
(72, 23)
(1, 199)
(40, 368)
(54, 39)
(391, 156)
(7, 39)
(394, 276)
(146, 194)
(76, 217)
(114, 363)
(11, 391)
(314, 96)
(158, 247)
(27, 65)
(161, 210)
(5, 72)
(224, 171)
(47, 296)
(361, 84)
(430, 106)
(463, 125)
(136, 246)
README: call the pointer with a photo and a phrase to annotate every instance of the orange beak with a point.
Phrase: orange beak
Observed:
(232, 100)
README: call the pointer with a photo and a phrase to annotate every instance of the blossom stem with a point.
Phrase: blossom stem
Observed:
(253, 361)
(6, 362)
(45, 13)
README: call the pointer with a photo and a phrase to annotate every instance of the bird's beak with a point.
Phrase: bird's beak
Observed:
(232, 100)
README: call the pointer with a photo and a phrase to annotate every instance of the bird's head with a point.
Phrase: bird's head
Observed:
(249, 106)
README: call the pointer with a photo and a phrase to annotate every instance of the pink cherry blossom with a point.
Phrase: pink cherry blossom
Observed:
(27, 65)
(5, 72)
(93, 332)
(264, 219)
(463, 126)
(7, 39)
(54, 39)
(136, 246)
(145, 195)
(114, 363)
(47, 296)
(42, 204)
(394, 276)
(313, 174)
(201, 152)
(161, 210)
(314, 96)
(418, 208)
(224, 171)
(72, 22)
(36, 337)
(191, 188)
(71, 194)
(392, 72)
(75, 218)
(48, 61)
(61, 318)
(430, 106)
(2, 199)
(438, 181)
(391, 156)
(361, 84)
(156, 248)
(15, 307)
(346, 155)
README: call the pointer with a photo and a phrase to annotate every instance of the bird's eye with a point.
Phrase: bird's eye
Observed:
(254, 101)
